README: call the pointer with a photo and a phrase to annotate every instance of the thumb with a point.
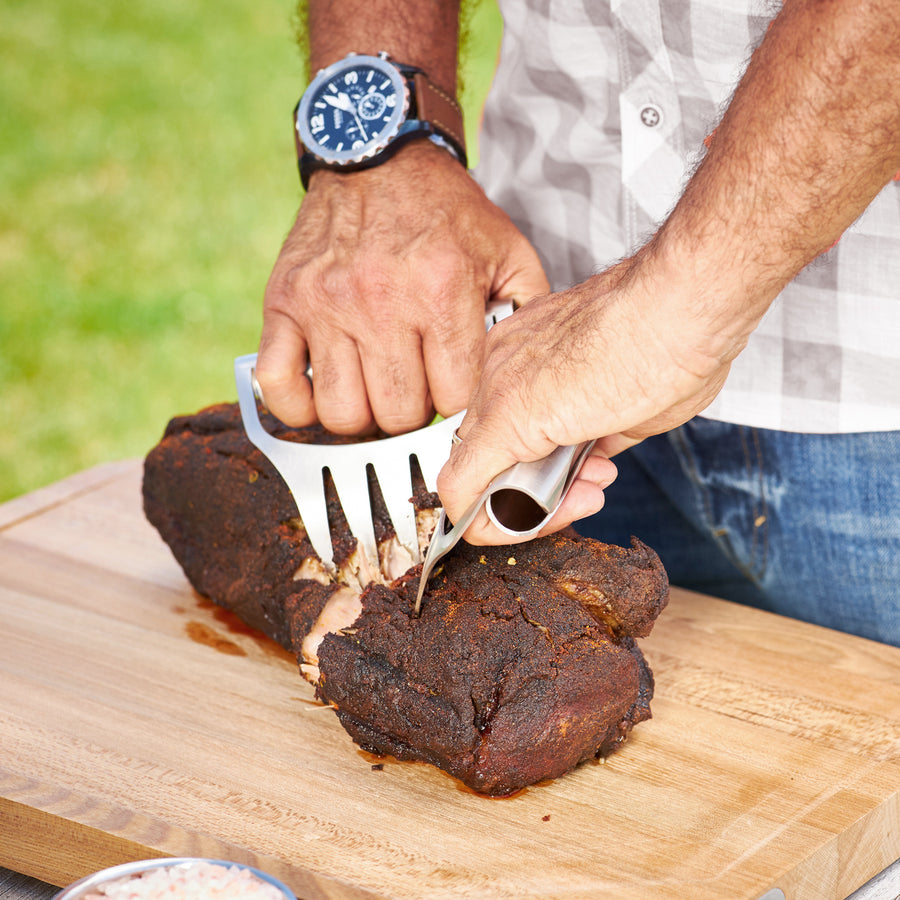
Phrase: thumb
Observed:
(522, 277)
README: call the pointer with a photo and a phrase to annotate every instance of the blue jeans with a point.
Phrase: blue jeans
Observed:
(805, 525)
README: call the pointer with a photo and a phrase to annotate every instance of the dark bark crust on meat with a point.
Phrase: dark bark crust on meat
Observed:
(503, 680)
(207, 491)
(523, 662)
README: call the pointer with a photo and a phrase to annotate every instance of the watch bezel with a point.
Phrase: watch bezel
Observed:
(352, 156)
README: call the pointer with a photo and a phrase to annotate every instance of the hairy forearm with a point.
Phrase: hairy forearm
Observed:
(421, 33)
(810, 137)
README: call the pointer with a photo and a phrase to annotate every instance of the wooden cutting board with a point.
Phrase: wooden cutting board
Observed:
(137, 720)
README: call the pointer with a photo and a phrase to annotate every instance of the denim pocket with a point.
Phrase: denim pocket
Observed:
(725, 466)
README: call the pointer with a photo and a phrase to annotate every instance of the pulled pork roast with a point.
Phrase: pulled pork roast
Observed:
(522, 664)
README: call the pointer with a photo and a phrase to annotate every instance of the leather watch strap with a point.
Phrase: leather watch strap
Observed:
(436, 106)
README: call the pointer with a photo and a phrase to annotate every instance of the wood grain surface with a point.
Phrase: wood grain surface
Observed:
(137, 720)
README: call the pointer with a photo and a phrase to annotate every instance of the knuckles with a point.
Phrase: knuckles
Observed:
(346, 419)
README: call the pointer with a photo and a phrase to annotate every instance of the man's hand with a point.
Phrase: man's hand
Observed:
(608, 357)
(381, 286)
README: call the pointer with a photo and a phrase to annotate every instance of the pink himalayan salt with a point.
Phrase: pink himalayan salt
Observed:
(197, 881)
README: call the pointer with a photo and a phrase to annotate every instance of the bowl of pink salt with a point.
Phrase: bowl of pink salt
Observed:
(178, 879)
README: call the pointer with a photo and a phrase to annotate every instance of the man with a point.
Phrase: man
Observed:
(771, 268)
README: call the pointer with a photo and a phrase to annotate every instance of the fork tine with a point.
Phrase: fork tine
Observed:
(352, 485)
(313, 511)
(395, 482)
(430, 468)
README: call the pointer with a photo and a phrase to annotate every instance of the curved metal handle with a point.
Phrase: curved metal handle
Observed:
(303, 481)
(522, 499)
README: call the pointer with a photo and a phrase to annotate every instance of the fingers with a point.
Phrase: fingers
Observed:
(613, 444)
(281, 372)
(452, 359)
(586, 496)
(394, 380)
(339, 387)
(596, 361)
(334, 395)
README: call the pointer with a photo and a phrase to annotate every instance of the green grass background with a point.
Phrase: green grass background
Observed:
(147, 180)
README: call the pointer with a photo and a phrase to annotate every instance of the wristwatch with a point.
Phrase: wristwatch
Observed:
(359, 111)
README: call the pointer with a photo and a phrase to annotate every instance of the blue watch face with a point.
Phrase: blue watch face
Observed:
(352, 109)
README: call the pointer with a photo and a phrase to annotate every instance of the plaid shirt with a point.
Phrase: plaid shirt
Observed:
(598, 115)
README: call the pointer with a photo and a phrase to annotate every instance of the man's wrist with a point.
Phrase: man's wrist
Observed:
(711, 299)
(417, 159)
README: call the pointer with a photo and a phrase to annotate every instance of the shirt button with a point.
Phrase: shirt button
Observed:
(651, 115)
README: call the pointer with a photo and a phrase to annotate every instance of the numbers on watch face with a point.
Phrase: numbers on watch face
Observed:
(353, 110)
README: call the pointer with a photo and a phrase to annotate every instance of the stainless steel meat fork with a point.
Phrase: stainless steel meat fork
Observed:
(302, 466)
